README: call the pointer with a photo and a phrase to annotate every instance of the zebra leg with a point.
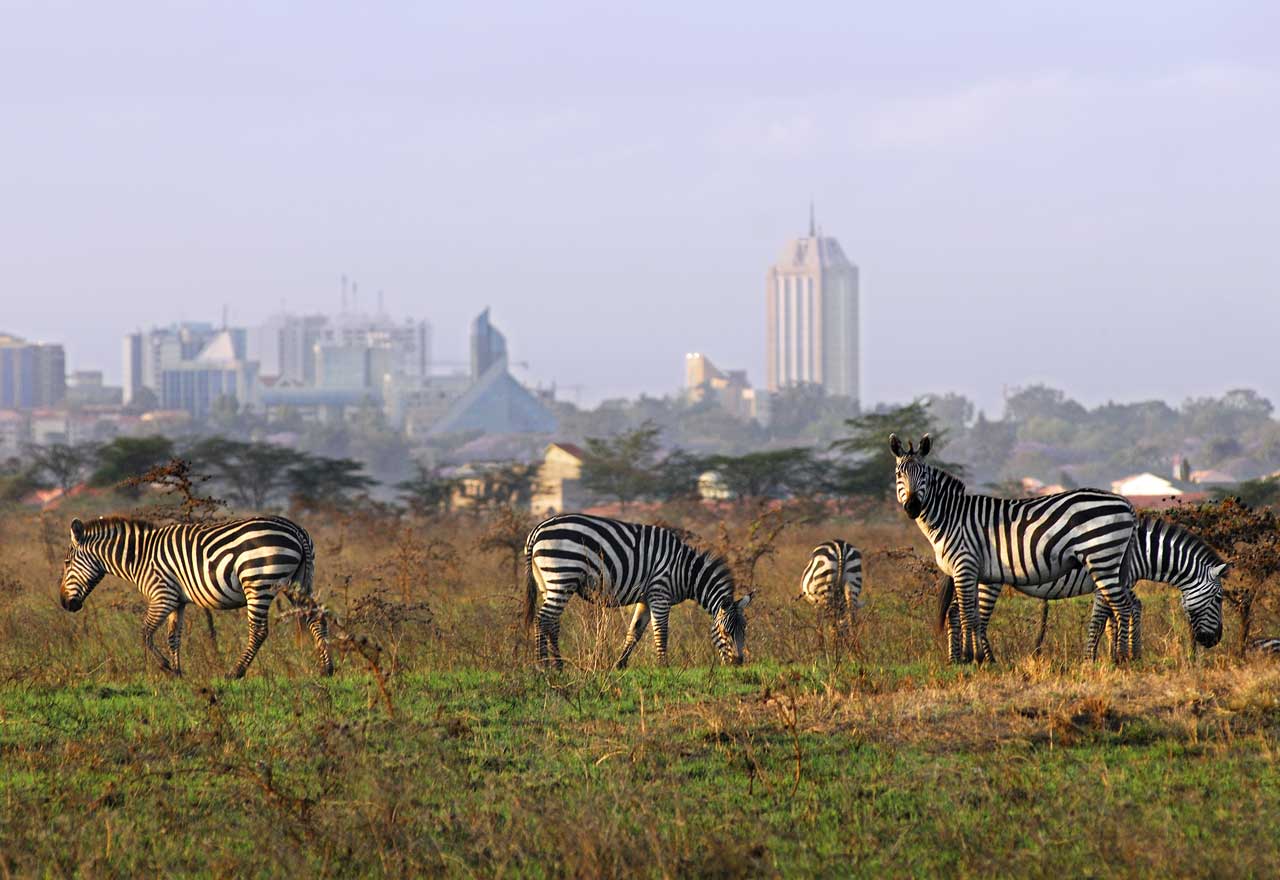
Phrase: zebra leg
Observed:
(1121, 602)
(1098, 620)
(970, 626)
(319, 627)
(987, 595)
(549, 635)
(639, 623)
(156, 614)
(660, 611)
(259, 605)
(955, 646)
(175, 638)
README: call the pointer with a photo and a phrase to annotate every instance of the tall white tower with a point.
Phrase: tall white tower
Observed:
(811, 297)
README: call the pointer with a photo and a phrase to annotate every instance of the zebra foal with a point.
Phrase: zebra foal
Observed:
(619, 563)
(240, 563)
(981, 539)
(833, 579)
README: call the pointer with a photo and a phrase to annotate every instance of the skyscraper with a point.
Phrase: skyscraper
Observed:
(811, 296)
(32, 375)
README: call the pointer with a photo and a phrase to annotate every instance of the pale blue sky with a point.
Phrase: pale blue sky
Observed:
(1084, 196)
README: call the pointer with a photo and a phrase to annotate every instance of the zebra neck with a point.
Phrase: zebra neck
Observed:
(124, 550)
(939, 514)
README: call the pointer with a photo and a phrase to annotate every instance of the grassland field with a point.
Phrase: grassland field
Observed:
(445, 751)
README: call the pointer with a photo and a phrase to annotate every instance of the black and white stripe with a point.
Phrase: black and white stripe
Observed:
(833, 579)
(620, 563)
(981, 539)
(234, 564)
(1159, 551)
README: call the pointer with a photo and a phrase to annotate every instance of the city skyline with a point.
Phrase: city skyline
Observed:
(1007, 180)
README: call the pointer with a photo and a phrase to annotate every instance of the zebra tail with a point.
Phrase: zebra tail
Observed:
(530, 586)
(946, 595)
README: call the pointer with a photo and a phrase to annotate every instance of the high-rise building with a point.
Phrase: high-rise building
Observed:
(811, 298)
(147, 354)
(488, 345)
(31, 374)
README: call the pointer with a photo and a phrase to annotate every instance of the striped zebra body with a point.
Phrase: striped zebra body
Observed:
(235, 564)
(619, 563)
(833, 579)
(1265, 646)
(981, 539)
(1159, 551)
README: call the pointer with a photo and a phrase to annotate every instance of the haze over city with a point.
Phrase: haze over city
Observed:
(1083, 197)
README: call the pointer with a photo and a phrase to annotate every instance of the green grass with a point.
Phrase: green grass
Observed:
(660, 772)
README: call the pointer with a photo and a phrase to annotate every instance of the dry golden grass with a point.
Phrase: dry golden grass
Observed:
(821, 756)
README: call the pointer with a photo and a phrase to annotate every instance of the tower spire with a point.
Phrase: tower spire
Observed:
(812, 225)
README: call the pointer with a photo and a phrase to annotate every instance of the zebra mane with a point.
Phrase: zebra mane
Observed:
(110, 525)
(1198, 544)
(716, 564)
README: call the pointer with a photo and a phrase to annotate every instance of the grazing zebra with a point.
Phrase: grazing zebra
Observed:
(1159, 551)
(981, 539)
(833, 579)
(620, 563)
(231, 564)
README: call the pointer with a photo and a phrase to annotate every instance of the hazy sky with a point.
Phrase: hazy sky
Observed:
(1081, 194)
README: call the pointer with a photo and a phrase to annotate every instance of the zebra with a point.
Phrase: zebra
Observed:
(833, 579)
(231, 564)
(1159, 551)
(1265, 646)
(978, 538)
(622, 563)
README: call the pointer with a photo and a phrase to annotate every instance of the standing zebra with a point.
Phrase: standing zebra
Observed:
(1159, 551)
(981, 539)
(833, 579)
(621, 563)
(232, 564)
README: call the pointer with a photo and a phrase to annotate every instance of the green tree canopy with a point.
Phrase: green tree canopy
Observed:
(126, 457)
(622, 467)
(871, 470)
(774, 473)
(428, 492)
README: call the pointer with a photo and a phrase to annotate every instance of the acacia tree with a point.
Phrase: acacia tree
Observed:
(65, 465)
(622, 467)
(428, 493)
(252, 473)
(316, 481)
(126, 457)
(771, 474)
(871, 471)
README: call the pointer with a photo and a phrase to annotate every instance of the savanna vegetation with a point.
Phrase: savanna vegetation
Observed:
(439, 748)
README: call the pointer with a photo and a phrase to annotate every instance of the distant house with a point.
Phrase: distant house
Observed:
(713, 487)
(1145, 484)
(559, 485)
(1213, 478)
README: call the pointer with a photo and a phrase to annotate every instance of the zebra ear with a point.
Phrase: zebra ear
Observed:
(746, 600)
(1221, 571)
(77, 531)
(895, 445)
(925, 443)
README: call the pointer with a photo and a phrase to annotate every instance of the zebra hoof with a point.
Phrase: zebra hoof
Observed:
(236, 675)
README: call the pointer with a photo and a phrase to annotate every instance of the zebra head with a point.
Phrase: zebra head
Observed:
(911, 475)
(1202, 601)
(81, 570)
(729, 628)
